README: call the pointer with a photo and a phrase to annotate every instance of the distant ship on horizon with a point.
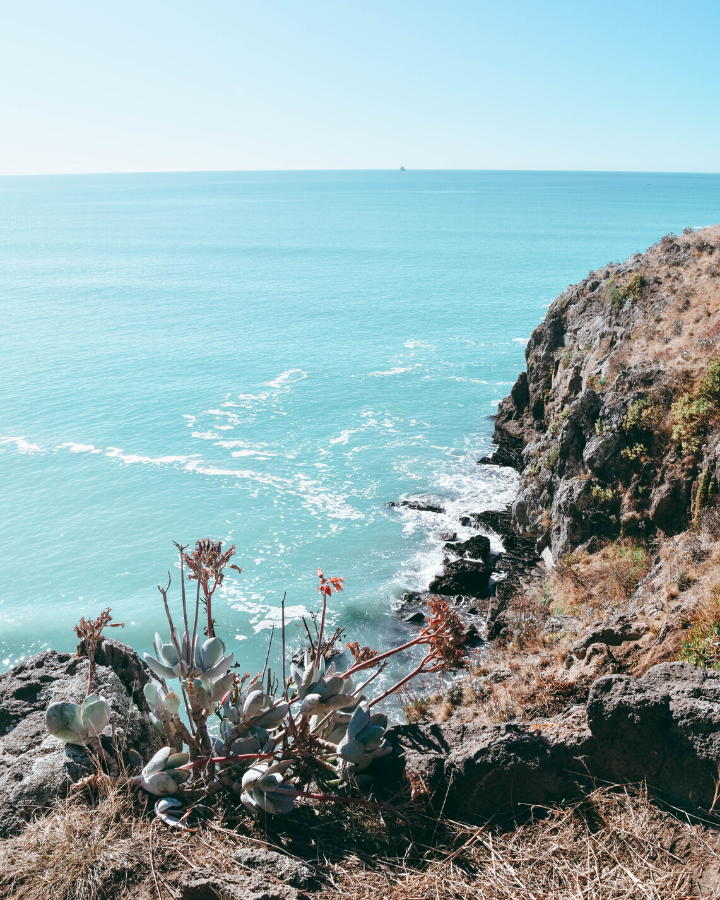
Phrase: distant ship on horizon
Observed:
(403, 169)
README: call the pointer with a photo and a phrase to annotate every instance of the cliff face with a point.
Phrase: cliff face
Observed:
(614, 426)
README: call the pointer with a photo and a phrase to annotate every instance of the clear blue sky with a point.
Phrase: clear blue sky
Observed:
(333, 84)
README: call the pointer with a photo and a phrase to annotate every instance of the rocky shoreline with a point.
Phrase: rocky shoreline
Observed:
(594, 634)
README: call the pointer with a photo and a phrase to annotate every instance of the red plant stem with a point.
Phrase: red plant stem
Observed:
(422, 638)
(402, 681)
(357, 801)
(207, 760)
(322, 628)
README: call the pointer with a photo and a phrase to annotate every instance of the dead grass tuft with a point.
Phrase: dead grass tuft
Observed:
(610, 846)
(78, 852)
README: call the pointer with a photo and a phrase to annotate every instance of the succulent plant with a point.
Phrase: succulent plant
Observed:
(170, 811)
(363, 742)
(321, 690)
(163, 704)
(264, 788)
(205, 662)
(162, 775)
(74, 724)
(246, 723)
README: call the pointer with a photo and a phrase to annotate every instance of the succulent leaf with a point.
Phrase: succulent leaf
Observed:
(64, 721)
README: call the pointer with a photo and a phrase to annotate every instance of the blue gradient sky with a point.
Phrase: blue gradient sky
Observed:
(174, 86)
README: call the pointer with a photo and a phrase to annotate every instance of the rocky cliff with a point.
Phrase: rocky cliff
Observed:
(613, 426)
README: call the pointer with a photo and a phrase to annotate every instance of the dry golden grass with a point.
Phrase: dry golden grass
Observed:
(614, 844)
(585, 585)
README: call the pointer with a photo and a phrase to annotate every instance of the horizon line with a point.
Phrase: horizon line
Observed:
(338, 170)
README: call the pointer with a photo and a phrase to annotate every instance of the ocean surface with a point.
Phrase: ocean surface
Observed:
(268, 359)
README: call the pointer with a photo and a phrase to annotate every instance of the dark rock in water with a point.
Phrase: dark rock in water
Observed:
(445, 535)
(206, 884)
(477, 547)
(413, 616)
(663, 728)
(35, 768)
(463, 577)
(284, 868)
(417, 504)
(488, 461)
(497, 520)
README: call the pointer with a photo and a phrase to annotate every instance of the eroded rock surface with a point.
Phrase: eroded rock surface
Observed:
(663, 728)
(35, 767)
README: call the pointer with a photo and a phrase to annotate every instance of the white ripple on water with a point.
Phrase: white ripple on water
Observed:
(21, 445)
(78, 448)
(129, 458)
(461, 488)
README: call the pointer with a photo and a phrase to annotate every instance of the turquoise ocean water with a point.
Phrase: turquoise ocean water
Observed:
(268, 358)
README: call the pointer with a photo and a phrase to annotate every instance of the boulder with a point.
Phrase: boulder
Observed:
(613, 633)
(286, 869)
(35, 767)
(474, 772)
(476, 547)
(420, 505)
(663, 728)
(462, 577)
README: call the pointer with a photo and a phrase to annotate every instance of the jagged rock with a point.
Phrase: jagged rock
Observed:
(126, 664)
(621, 629)
(284, 868)
(206, 884)
(663, 728)
(590, 363)
(420, 505)
(669, 506)
(36, 768)
(477, 547)
(463, 577)
(475, 772)
(600, 450)
(445, 535)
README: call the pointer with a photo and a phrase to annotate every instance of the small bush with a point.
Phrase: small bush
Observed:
(552, 456)
(702, 645)
(417, 709)
(637, 451)
(558, 422)
(600, 426)
(631, 290)
(630, 566)
(567, 356)
(691, 417)
(683, 580)
(710, 387)
(706, 491)
(602, 495)
(644, 414)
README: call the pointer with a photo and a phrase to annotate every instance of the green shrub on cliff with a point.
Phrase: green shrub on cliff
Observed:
(631, 290)
(691, 417)
(557, 423)
(602, 495)
(693, 413)
(702, 645)
(706, 491)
